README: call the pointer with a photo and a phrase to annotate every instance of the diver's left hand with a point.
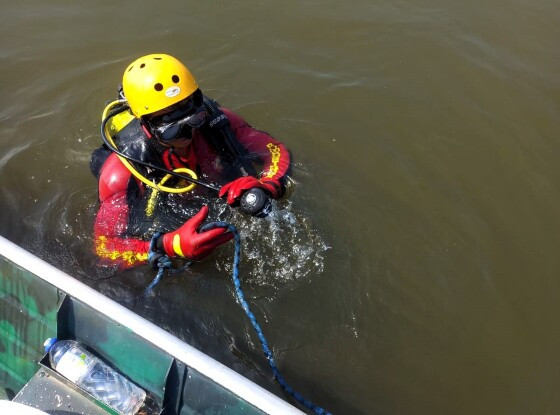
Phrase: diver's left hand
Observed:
(236, 188)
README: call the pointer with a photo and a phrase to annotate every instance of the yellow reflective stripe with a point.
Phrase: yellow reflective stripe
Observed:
(130, 257)
(276, 154)
(177, 245)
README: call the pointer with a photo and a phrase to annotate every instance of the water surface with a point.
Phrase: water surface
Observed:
(415, 268)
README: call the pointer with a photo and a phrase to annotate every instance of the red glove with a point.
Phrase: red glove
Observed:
(239, 186)
(187, 242)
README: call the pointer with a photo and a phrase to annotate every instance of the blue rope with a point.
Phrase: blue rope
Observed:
(162, 262)
(239, 292)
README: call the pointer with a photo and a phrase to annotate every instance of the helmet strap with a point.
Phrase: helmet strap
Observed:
(146, 128)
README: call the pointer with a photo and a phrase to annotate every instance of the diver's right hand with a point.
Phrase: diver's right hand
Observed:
(187, 242)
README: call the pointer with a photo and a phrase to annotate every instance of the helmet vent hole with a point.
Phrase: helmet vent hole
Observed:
(158, 87)
(157, 59)
(141, 66)
(175, 79)
(130, 69)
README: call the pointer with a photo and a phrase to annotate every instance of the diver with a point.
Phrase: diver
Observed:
(166, 124)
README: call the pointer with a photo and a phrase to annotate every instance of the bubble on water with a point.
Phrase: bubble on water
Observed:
(278, 250)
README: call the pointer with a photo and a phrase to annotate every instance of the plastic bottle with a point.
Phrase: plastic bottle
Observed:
(73, 361)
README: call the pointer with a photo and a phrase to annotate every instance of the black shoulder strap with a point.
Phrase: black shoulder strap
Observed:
(224, 140)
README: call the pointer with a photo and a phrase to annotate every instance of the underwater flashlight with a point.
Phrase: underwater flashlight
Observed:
(255, 202)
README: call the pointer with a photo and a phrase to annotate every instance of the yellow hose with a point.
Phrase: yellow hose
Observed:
(138, 175)
(150, 206)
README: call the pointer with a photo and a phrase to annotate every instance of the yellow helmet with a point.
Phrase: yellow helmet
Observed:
(154, 82)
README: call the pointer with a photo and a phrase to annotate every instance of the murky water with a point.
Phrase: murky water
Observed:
(415, 267)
